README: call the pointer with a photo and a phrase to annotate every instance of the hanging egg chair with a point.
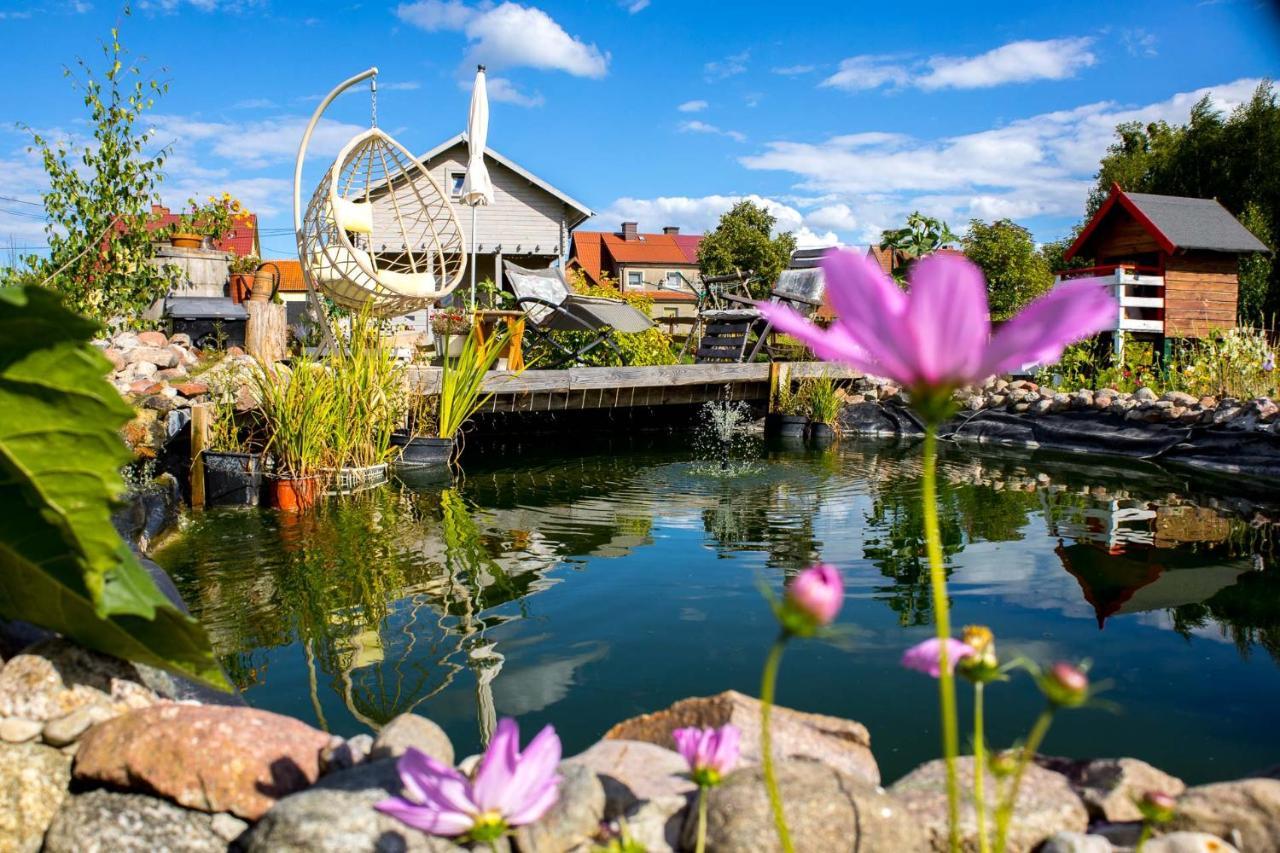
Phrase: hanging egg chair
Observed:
(378, 233)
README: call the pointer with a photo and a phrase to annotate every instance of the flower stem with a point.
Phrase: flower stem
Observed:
(980, 769)
(768, 683)
(1004, 814)
(942, 622)
(1144, 837)
(702, 819)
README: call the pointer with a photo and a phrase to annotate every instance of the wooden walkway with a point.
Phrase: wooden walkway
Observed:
(625, 387)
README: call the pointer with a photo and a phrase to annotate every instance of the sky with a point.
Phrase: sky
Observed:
(841, 117)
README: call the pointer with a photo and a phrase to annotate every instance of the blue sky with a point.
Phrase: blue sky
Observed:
(843, 116)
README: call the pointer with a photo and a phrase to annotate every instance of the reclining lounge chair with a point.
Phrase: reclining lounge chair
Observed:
(550, 305)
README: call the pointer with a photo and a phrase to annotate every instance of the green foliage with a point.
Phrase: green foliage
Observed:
(1016, 273)
(821, 399)
(651, 347)
(744, 240)
(99, 199)
(1234, 159)
(461, 381)
(369, 393)
(298, 407)
(62, 564)
(922, 235)
(1255, 270)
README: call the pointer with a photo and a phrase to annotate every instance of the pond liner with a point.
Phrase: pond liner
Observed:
(1206, 449)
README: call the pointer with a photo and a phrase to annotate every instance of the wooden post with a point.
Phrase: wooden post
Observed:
(775, 375)
(266, 332)
(200, 416)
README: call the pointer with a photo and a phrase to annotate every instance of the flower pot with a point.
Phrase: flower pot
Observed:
(792, 426)
(450, 345)
(821, 434)
(232, 479)
(419, 452)
(186, 240)
(294, 494)
(241, 286)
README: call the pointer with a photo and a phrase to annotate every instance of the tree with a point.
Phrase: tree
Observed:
(744, 240)
(99, 199)
(1255, 270)
(1016, 273)
(922, 235)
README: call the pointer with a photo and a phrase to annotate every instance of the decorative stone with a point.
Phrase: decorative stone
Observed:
(1109, 786)
(658, 823)
(1145, 394)
(54, 677)
(826, 810)
(336, 815)
(228, 827)
(1046, 805)
(157, 356)
(192, 389)
(409, 730)
(1076, 842)
(842, 744)
(116, 357)
(633, 771)
(144, 370)
(65, 730)
(345, 753)
(33, 783)
(1180, 398)
(1245, 812)
(1188, 842)
(181, 339)
(574, 818)
(110, 822)
(209, 757)
(171, 373)
(18, 730)
(152, 339)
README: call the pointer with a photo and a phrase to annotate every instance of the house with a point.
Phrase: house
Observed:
(242, 240)
(528, 222)
(1171, 261)
(663, 267)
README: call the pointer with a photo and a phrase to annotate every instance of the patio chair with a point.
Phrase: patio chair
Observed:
(550, 305)
(729, 331)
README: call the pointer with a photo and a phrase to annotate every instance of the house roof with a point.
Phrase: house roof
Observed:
(241, 240)
(584, 212)
(291, 280)
(1177, 223)
(595, 251)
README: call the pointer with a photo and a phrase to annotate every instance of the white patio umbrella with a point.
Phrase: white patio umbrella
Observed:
(477, 189)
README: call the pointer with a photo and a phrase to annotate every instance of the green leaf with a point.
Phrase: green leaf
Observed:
(62, 563)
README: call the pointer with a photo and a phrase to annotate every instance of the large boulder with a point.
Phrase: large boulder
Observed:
(1110, 787)
(843, 745)
(110, 822)
(33, 784)
(633, 772)
(207, 757)
(1245, 812)
(336, 815)
(1046, 805)
(411, 730)
(826, 810)
(572, 821)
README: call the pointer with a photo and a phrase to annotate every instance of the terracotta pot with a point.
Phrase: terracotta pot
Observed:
(290, 494)
(186, 240)
(241, 285)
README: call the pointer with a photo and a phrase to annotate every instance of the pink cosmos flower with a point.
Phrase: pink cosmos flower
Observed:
(818, 593)
(927, 656)
(509, 789)
(710, 753)
(938, 335)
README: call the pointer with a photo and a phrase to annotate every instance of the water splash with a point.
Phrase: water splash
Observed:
(724, 440)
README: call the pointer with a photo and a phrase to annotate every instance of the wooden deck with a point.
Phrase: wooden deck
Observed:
(625, 387)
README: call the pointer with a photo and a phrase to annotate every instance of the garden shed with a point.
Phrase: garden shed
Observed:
(1171, 261)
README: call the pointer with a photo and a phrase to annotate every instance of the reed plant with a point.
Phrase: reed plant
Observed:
(462, 380)
(299, 407)
(370, 397)
(822, 399)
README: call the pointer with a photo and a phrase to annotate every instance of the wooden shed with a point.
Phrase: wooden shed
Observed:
(1172, 261)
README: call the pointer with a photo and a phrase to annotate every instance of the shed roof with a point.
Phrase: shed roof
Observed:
(1177, 223)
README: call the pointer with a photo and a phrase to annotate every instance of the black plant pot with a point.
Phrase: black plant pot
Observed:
(821, 434)
(421, 452)
(233, 479)
(792, 426)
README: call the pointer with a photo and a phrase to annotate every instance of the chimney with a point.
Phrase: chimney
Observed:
(671, 230)
(629, 231)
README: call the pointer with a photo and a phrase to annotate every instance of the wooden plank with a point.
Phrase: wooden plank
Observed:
(816, 369)
(200, 422)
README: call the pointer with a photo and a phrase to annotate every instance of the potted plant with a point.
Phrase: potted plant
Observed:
(823, 401)
(420, 443)
(298, 409)
(214, 219)
(450, 326)
(788, 419)
(233, 473)
(242, 270)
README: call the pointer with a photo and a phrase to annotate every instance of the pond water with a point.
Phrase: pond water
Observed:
(580, 589)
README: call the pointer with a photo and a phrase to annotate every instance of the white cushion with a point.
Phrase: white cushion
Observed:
(548, 288)
(353, 216)
(341, 266)
(415, 285)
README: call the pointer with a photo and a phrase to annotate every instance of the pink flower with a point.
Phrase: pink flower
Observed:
(939, 335)
(817, 593)
(927, 656)
(710, 753)
(510, 788)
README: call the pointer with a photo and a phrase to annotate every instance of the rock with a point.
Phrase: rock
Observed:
(574, 818)
(409, 730)
(157, 356)
(1076, 842)
(336, 815)
(1224, 412)
(125, 340)
(181, 339)
(234, 352)
(842, 744)
(65, 730)
(1119, 834)
(192, 389)
(228, 827)
(18, 730)
(1208, 402)
(33, 784)
(1244, 812)
(826, 811)
(345, 753)
(1145, 395)
(1188, 842)
(1109, 786)
(1042, 406)
(633, 771)
(658, 823)
(1180, 398)
(54, 677)
(152, 339)
(1082, 399)
(1061, 402)
(209, 757)
(116, 357)
(974, 403)
(159, 403)
(109, 822)
(1046, 805)
(144, 370)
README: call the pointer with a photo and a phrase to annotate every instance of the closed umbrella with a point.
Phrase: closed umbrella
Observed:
(477, 189)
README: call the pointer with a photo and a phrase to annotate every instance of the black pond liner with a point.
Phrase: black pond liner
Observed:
(233, 479)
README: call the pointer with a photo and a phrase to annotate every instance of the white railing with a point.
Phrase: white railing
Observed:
(1123, 282)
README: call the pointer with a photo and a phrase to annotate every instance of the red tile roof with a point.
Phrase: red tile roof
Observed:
(291, 280)
(598, 251)
(585, 254)
(688, 244)
(242, 240)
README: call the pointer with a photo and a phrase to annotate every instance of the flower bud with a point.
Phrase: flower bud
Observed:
(813, 599)
(1157, 806)
(1065, 685)
(1004, 763)
(982, 665)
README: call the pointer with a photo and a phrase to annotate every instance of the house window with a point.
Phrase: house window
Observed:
(635, 279)
(675, 281)
(456, 180)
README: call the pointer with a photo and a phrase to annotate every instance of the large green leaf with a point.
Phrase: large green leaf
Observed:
(62, 563)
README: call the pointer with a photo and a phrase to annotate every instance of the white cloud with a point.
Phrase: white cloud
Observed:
(1138, 42)
(838, 216)
(636, 6)
(400, 86)
(1015, 62)
(794, 70)
(702, 127)
(254, 144)
(502, 89)
(509, 36)
(727, 67)
(692, 106)
(699, 215)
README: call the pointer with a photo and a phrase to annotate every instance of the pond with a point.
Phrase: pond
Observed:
(583, 588)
